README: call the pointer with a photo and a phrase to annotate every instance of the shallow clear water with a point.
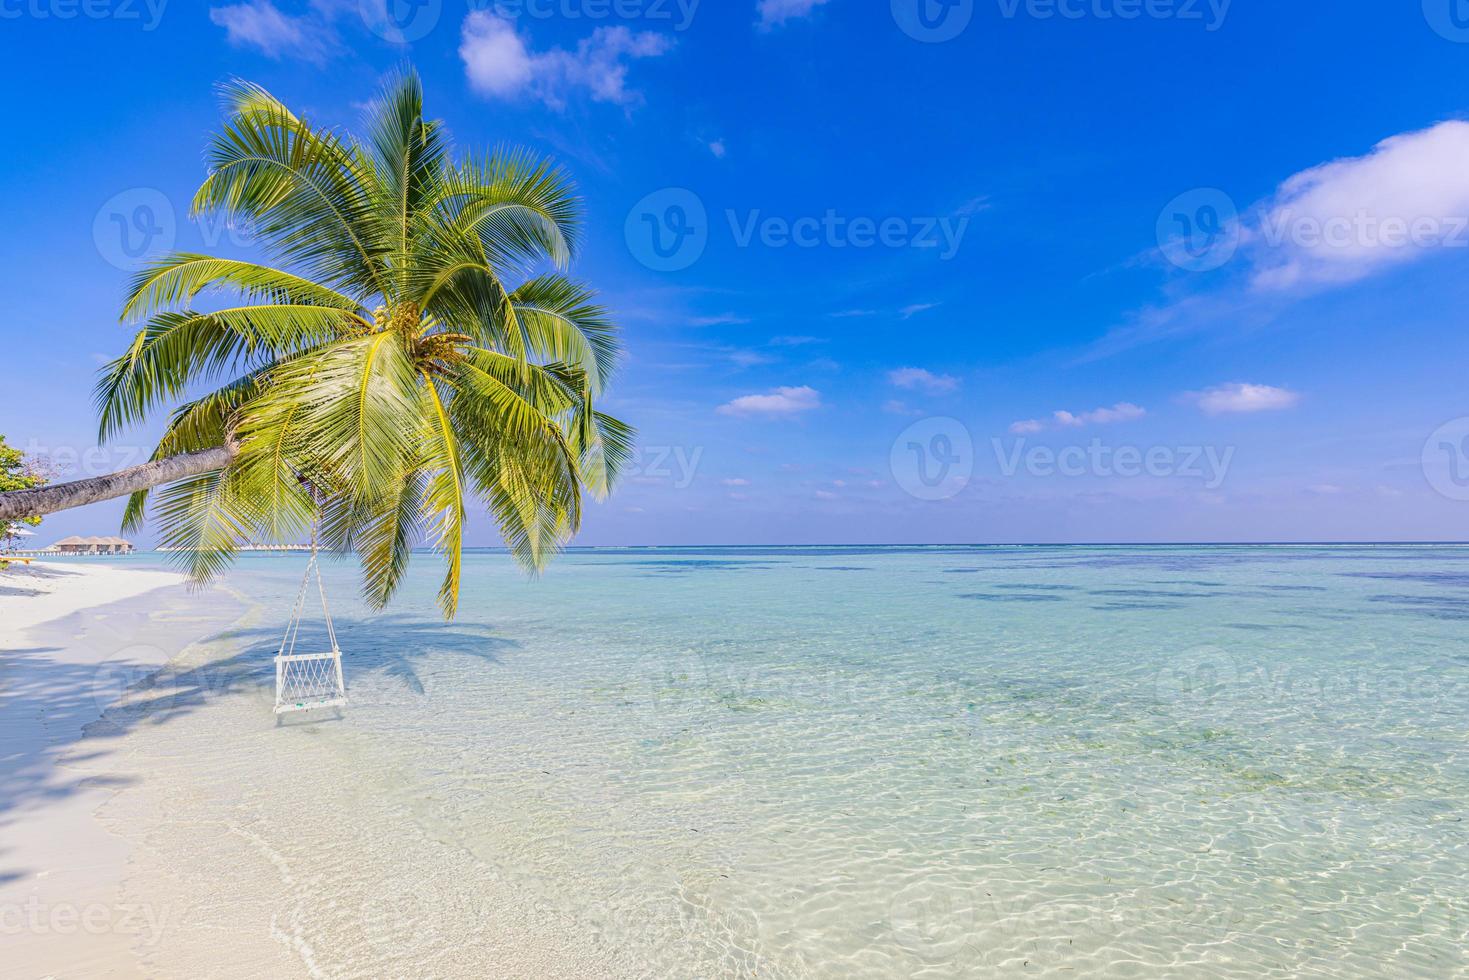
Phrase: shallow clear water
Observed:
(1234, 761)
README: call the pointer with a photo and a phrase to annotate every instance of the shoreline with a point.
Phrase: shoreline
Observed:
(115, 831)
(74, 637)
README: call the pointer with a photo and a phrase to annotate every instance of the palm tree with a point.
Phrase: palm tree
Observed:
(413, 347)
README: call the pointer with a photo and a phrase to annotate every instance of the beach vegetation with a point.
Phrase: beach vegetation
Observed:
(412, 348)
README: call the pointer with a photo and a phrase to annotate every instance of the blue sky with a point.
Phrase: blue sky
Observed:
(1017, 270)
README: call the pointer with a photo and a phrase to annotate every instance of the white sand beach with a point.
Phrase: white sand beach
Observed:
(59, 870)
(43, 591)
(138, 842)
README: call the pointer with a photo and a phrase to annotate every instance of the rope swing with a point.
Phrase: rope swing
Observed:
(307, 681)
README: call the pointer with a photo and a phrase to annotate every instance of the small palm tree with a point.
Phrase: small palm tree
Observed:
(423, 351)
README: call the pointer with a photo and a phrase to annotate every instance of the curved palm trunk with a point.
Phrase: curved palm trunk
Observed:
(18, 504)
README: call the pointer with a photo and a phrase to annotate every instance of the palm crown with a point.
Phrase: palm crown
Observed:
(423, 349)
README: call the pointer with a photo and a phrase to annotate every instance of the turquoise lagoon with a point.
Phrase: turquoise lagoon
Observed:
(854, 762)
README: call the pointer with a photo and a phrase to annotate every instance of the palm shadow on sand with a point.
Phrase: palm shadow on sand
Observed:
(47, 702)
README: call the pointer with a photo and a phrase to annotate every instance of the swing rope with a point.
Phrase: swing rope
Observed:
(309, 680)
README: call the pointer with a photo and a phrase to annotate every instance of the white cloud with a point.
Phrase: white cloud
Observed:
(260, 24)
(1345, 220)
(896, 407)
(736, 482)
(1327, 226)
(780, 403)
(1121, 412)
(748, 358)
(909, 312)
(496, 58)
(825, 495)
(911, 378)
(974, 206)
(718, 148)
(500, 63)
(718, 320)
(1241, 398)
(773, 13)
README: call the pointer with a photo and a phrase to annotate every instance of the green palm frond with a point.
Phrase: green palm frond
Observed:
(177, 349)
(563, 322)
(177, 279)
(521, 210)
(401, 352)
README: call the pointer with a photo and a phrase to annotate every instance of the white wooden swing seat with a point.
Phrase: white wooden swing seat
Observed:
(307, 681)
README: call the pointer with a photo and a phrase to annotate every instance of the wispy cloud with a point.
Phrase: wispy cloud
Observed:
(718, 320)
(1240, 398)
(794, 341)
(718, 148)
(908, 312)
(261, 25)
(500, 63)
(780, 403)
(896, 407)
(748, 358)
(1325, 227)
(974, 206)
(1061, 419)
(773, 13)
(918, 378)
